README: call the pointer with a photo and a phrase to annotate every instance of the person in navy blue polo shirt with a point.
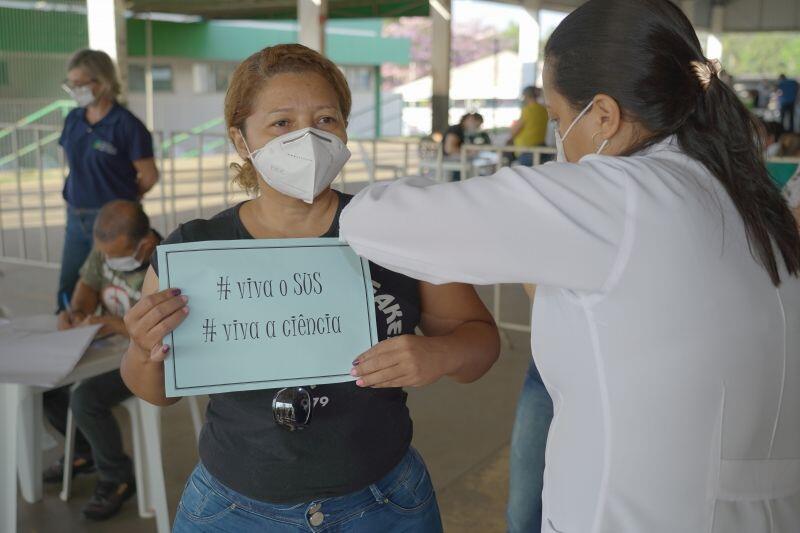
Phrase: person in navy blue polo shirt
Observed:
(787, 96)
(110, 156)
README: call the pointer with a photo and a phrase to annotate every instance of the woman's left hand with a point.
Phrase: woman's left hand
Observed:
(404, 361)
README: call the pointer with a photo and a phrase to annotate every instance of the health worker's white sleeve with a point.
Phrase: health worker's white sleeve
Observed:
(557, 224)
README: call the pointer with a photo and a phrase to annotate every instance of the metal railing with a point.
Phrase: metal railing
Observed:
(195, 182)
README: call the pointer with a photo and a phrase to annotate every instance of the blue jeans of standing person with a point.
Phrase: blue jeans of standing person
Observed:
(403, 501)
(528, 441)
(77, 245)
(525, 159)
(787, 116)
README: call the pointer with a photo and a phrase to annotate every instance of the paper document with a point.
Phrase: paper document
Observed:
(34, 352)
(266, 314)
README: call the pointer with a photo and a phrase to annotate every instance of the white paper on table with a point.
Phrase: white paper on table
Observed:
(34, 352)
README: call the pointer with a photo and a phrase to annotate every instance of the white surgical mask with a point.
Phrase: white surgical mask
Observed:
(83, 95)
(128, 263)
(561, 155)
(302, 163)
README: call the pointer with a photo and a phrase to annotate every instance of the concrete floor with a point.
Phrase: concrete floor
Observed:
(462, 431)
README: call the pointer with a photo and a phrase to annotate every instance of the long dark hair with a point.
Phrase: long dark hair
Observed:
(640, 53)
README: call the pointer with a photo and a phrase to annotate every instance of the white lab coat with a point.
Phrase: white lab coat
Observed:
(672, 360)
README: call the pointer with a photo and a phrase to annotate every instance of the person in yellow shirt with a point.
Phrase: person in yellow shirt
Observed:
(531, 128)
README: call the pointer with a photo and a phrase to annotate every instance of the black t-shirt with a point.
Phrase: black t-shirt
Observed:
(356, 435)
(458, 130)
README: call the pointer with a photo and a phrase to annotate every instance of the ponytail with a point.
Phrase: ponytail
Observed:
(724, 136)
(646, 55)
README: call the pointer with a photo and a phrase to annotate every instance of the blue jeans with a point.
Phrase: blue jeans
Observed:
(528, 441)
(77, 245)
(525, 159)
(403, 501)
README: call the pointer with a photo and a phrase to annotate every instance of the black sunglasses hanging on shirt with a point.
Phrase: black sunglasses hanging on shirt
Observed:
(291, 408)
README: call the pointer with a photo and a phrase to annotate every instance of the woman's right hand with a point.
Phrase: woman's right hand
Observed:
(153, 318)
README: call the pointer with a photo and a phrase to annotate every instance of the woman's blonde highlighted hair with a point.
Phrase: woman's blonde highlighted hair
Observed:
(255, 71)
(100, 68)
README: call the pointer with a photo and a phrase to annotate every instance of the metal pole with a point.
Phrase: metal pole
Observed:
(200, 175)
(172, 179)
(43, 217)
(464, 163)
(440, 164)
(378, 103)
(161, 185)
(15, 150)
(372, 176)
(148, 73)
(225, 182)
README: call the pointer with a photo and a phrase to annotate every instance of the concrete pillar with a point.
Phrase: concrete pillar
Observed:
(688, 7)
(311, 16)
(148, 75)
(713, 44)
(378, 101)
(107, 32)
(530, 36)
(717, 19)
(440, 65)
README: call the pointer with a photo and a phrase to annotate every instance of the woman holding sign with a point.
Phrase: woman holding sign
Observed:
(666, 316)
(351, 465)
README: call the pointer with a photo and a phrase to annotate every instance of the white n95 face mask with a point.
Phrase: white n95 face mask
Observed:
(128, 263)
(302, 163)
(561, 155)
(83, 96)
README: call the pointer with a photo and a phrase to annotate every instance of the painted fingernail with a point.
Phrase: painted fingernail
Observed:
(165, 348)
(185, 309)
(354, 372)
(355, 363)
(360, 382)
(184, 298)
(175, 292)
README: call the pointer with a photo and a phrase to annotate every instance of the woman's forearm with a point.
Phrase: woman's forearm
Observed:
(144, 377)
(469, 351)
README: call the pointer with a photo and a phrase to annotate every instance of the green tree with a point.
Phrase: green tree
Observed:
(761, 54)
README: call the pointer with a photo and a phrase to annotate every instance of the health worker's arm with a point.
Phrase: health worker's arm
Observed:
(557, 224)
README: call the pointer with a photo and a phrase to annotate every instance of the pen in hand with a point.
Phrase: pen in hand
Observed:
(66, 319)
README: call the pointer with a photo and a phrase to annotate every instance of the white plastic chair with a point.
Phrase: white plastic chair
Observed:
(151, 495)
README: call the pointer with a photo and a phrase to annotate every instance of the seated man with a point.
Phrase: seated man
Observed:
(110, 283)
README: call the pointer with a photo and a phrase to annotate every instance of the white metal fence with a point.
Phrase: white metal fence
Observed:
(196, 182)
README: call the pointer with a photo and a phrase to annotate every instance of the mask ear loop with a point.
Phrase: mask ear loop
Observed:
(602, 145)
(249, 153)
(577, 119)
